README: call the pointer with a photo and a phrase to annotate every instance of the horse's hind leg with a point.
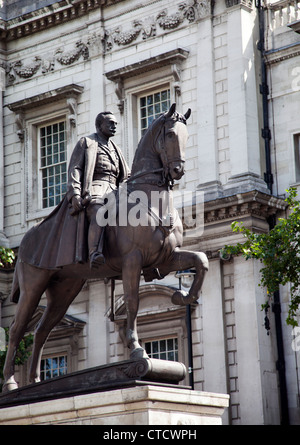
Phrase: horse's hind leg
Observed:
(31, 290)
(60, 295)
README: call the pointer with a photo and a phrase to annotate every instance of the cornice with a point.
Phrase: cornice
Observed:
(71, 90)
(169, 57)
(237, 207)
(243, 204)
(284, 53)
(49, 16)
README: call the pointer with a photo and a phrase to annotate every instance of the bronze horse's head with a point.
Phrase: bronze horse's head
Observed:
(171, 140)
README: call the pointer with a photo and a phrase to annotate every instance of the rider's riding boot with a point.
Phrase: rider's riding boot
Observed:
(96, 259)
(96, 246)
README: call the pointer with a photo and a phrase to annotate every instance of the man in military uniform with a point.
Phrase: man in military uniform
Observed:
(97, 166)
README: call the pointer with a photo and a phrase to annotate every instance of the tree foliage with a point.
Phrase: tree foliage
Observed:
(278, 251)
(7, 256)
(23, 351)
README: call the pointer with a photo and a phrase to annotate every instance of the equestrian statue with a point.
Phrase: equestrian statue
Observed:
(108, 225)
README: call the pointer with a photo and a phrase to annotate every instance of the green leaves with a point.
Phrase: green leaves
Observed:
(7, 256)
(278, 251)
(23, 351)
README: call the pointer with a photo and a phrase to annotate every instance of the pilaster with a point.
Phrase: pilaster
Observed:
(243, 106)
(206, 135)
(258, 396)
(213, 331)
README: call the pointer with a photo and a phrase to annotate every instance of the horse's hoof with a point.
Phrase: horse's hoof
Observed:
(138, 353)
(179, 297)
(9, 385)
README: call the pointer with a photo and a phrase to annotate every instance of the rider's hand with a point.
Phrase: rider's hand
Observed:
(77, 203)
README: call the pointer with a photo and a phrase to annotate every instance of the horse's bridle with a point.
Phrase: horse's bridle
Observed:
(160, 149)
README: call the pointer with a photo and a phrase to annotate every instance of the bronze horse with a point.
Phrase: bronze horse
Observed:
(152, 248)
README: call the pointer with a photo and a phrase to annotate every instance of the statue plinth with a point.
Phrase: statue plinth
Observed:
(123, 374)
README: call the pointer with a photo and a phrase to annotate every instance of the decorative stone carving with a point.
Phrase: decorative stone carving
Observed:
(45, 65)
(119, 90)
(69, 57)
(123, 38)
(24, 71)
(169, 21)
(20, 122)
(72, 116)
(149, 28)
(191, 11)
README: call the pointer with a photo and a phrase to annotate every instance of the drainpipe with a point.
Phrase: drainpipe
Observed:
(3, 239)
(268, 177)
(264, 90)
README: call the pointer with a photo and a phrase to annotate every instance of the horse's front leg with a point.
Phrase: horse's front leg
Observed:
(185, 259)
(131, 271)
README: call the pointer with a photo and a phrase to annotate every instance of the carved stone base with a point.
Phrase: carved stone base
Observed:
(102, 378)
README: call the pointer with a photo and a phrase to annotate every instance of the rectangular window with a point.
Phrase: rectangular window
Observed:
(297, 156)
(53, 163)
(151, 106)
(53, 367)
(163, 349)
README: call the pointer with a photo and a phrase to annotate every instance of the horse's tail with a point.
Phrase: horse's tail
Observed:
(15, 290)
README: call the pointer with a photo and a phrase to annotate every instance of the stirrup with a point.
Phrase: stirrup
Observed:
(96, 259)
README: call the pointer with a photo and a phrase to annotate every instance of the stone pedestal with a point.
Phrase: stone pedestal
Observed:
(139, 405)
(132, 392)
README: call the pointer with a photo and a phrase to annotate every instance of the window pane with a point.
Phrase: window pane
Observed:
(53, 367)
(53, 162)
(163, 349)
(150, 100)
(151, 106)
(156, 97)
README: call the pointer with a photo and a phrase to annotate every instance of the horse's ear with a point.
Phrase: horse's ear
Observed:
(188, 113)
(171, 110)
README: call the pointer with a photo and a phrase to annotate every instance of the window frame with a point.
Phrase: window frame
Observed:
(52, 356)
(29, 113)
(39, 163)
(132, 130)
(32, 181)
(146, 94)
(296, 156)
(159, 339)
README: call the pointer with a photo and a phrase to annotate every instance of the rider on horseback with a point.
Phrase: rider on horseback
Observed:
(97, 166)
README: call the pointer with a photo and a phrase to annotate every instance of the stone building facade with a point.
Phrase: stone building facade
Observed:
(235, 63)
